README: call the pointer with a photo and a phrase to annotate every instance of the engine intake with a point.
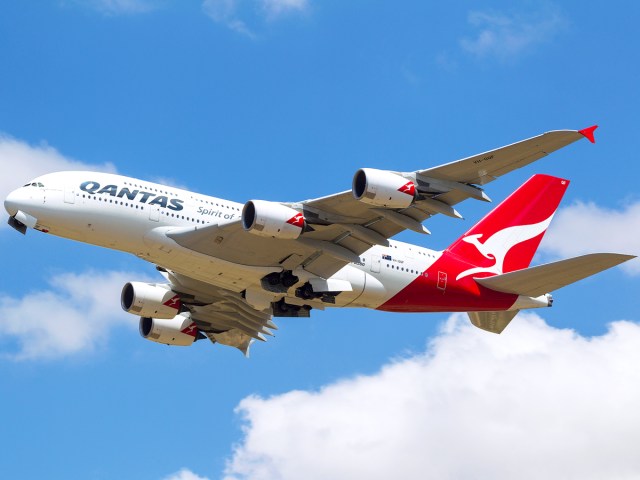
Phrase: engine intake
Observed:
(382, 188)
(150, 300)
(180, 330)
(271, 219)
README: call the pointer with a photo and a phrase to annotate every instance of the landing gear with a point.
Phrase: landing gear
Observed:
(306, 292)
(279, 282)
(284, 309)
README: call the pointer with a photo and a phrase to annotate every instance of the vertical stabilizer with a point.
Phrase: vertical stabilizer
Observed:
(507, 238)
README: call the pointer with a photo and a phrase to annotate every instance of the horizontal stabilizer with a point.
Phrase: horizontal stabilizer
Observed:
(535, 281)
(494, 322)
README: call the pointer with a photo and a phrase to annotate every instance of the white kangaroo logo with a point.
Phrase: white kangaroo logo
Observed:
(498, 245)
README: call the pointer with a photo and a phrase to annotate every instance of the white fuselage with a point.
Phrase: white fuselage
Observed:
(133, 215)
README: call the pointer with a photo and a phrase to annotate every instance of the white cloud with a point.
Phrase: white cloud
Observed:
(586, 228)
(277, 8)
(506, 36)
(21, 162)
(184, 474)
(74, 316)
(534, 402)
(225, 12)
(231, 12)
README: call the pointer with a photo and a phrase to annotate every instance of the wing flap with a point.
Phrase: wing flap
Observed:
(536, 281)
(233, 338)
(223, 315)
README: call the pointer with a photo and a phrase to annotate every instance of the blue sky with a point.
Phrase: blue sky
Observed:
(285, 100)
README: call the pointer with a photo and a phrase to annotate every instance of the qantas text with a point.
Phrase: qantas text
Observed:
(141, 196)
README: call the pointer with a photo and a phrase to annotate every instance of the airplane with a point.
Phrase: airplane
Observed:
(231, 268)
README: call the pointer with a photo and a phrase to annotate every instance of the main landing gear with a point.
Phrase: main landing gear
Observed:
(279, 282)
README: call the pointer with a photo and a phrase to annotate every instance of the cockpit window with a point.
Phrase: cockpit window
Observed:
(40, 185)
(34, 184)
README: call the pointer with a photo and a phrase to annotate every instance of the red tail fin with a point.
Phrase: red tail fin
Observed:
(507, 238)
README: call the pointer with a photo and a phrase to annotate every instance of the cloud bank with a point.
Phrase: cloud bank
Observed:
(534, 402)
(76, 315)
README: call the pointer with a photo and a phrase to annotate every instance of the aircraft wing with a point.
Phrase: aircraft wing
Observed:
(342, 227)
(485, 167)
(222, 315)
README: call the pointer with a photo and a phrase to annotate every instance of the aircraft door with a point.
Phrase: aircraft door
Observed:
(69, 195)
(442, 281)
(154, 213)
(375, 263)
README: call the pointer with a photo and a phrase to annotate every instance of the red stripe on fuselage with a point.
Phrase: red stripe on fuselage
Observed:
(465, 295)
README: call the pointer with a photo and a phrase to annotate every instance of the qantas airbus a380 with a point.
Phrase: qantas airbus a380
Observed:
(231, 268)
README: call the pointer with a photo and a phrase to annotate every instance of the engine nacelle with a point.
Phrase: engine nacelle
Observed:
(180, 330)
(150, 300)
(382, 188)
(271, 219)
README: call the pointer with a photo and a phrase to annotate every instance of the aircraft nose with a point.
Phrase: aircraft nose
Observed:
(11, 203)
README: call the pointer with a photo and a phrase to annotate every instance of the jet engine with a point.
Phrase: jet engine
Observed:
(180, 330)
(150, 300)
(270, 219)
(382, 188)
